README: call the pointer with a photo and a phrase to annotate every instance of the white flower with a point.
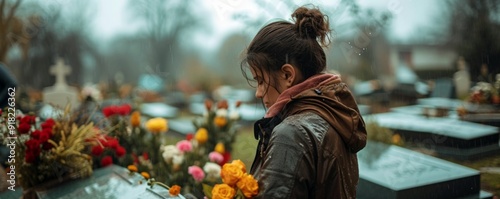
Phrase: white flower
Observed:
(178, 159)
(234, 115)
(221, 113)
(212, 170)
(169, 152)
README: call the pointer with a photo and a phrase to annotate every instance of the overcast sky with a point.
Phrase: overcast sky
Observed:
(409, 16)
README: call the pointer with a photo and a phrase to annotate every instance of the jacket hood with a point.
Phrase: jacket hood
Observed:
(331, 99)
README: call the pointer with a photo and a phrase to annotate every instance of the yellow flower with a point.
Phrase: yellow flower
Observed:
(248, 186)
(145, 175)
(396, 139)
(240, 164)
(174, 190)
(201, 135)
(223, 191)
(135, 119)
(220, 148)
(132, 168)
(220, 121)
(157, 125)
(231, 173)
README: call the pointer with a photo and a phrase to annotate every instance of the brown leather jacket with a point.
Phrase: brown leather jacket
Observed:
(309, 149)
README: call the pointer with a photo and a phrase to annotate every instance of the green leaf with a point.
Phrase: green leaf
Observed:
(207, 190)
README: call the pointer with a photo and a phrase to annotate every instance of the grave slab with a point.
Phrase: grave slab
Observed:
(446, 136)
(388, 171)
(109, 182)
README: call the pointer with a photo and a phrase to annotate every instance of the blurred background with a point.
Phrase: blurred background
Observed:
(386, 49)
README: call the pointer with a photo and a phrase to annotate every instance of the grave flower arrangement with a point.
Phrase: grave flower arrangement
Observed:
(236, 183)
(140, 138)
(217, 128)
(48, 152)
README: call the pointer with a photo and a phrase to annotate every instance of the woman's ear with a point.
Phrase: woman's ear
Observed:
(288, 74)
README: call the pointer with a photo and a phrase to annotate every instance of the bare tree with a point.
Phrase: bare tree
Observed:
(12, 29)
(165, 23)
(473, 29)
(58, 34)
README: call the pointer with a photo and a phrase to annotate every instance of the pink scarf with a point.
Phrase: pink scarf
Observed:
(285, 97)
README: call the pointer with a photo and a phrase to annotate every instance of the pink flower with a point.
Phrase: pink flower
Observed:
(215, 156)
(197, 173)
(184, 146)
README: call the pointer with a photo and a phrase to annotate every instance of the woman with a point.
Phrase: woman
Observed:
(312, 129)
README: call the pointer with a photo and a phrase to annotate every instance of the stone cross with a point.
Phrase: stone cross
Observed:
(60, 71)
(61, 94)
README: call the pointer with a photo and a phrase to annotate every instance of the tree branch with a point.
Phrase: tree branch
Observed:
(12, 11)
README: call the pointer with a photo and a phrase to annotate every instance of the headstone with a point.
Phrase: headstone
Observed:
(443, 87)
(108, 182)
(60, 95)
(462, 81)
(391, 172)
(446, 136)
(159, 110)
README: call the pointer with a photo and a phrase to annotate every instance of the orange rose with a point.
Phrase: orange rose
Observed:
(248, 186)
(240, 164)
(231, 173)
(220, 121)
(223, 191)
(174, 190)
(201, 135)
(135, 119)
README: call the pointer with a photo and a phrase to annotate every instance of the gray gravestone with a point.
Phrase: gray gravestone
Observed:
(390, 172)
(60, 95)
(446, 136)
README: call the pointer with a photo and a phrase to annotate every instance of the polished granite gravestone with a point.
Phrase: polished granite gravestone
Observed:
(390, 172)
(446, 136)
(110, 182)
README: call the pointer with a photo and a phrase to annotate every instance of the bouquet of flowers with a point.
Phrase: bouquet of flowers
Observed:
(48, 152)
(236, 183)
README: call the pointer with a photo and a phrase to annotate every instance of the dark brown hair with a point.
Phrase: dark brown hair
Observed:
(299, 44)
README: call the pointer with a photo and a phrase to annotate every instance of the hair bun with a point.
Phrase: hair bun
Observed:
(311, 23)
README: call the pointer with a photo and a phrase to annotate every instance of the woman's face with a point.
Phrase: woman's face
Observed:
(268, 88)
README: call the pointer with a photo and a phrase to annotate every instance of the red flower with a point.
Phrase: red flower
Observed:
(97, 150)
(24, 128)
(30, 157)
(32, 144)
(106, 161)
(108, 111)
(47, 146)
(35, 134)
(145, 155)
(28, 119)
(120, 151)
(48, 124)
(189, 136)
(124, 109)
(227, 157)
(136, 160)
(111, 143)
